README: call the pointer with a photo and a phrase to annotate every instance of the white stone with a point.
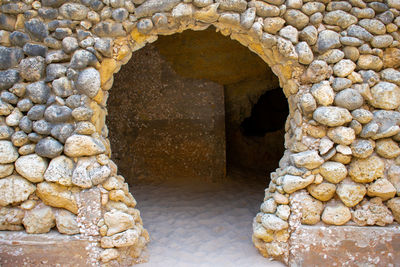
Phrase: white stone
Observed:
(60, 170)
(31, 167)
(8, 153)
(14, 189)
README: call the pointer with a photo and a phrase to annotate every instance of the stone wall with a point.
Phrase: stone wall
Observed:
(163, 125)
(337, 62)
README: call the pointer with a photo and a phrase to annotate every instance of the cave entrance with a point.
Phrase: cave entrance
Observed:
(196, 123)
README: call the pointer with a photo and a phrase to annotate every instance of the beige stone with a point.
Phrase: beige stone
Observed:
(341, 135)
(369, 62)
(8, 153)
(31, 167)
(332, 116)
(39, 220)
(333, 172)
(124, 239)
(394, 206)
(14, 189)
(372, 212)
(117, 222)
(56, 195)
(366, 170)
(391, 58)
(323, 191)
(336, 213)
(387, 148)
(350, 193)
(6, 170)
(60, 171)
(109, 254)
(66, 222)
(11, 219)
(393, 175)
(82, 145)
(311, 209)
(323, 93)
(341, 158)
(381, 188)
(307, 159)
(292, 183)
(385, 95)
(260, 232)
(274, 223)
(207, 14)
(273, 25)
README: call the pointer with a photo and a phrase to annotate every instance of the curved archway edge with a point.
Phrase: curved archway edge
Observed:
(337, 62)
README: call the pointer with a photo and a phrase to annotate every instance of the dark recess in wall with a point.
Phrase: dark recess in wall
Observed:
(267, 115)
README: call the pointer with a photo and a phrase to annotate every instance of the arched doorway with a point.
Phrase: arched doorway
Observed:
(196, 123)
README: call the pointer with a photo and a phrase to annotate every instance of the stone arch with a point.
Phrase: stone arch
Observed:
(57, 65)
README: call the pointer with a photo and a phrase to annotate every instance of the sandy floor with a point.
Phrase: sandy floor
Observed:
(201, 223)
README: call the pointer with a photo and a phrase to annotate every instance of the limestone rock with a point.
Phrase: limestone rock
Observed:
(39, 220)
(31, 167)
(333, 172)
(369, 62)
(323, 93)
(6, 170)
(274, 223)
(273, 25)
(14, 189)
(323, 191)
(118, 221)
(74, 11)
(344, 67)
(327, 39)
(316, 72)
(349, 99)
(387, 148)
(208, 14)
(150, 7)
(88, 82)
(60, 171)
(381, 188)
(82, 145)
(341, 135)
(332, 116)
(124, 239)
(350, 193)
(336, 213)
(307, 159)
(268, 206)
(391, 58)
(311, 209)
(366, 170)
(89, 172)
(385, 95)
(8, 153)
(11, 219)
(372, 212)
(66, 222)
(109, 254)
(394, 206)
(292, 183)
(362, 148)
(56, 195)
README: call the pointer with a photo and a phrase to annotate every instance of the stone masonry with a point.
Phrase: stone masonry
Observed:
(337, 62)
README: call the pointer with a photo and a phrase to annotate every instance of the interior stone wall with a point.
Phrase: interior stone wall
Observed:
(337, 63)
(163, 125)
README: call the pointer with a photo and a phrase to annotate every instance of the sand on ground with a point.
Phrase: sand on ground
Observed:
(201, 223)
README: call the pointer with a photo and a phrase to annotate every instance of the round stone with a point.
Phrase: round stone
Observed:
(362, 148)
(88, 82)
(31, 167)
(332, 116)
(344, 67)
(333, 172)
(336, 214)
(49, 148)
(350, 193)
(366, 170)
(349, 98)
(385, 95)
(8, 153)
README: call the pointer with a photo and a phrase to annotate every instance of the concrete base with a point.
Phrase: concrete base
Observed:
(345, 246)
(51, 249)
